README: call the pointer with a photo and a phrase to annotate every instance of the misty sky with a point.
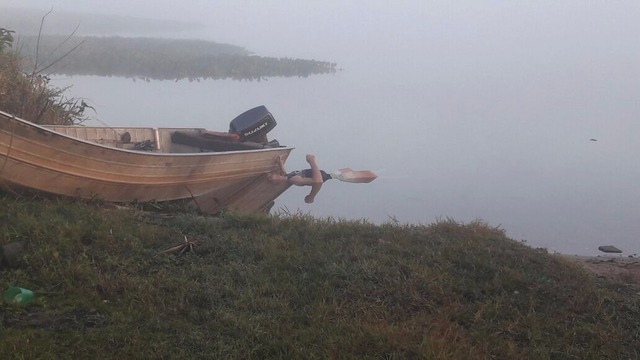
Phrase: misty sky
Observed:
(447, 37)
(482, 36)
(317, 27)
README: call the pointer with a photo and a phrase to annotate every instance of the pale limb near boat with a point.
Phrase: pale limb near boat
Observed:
(354, 176)
(125, 165)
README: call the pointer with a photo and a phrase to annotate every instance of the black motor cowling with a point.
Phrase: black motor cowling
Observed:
(253, 125)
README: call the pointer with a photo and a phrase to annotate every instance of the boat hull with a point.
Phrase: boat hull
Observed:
(41, 159)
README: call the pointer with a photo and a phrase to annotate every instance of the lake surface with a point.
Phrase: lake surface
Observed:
(485, 121)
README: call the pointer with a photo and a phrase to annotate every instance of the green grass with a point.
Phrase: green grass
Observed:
(292, 287)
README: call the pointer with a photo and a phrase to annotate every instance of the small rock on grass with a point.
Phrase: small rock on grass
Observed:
(11, 253)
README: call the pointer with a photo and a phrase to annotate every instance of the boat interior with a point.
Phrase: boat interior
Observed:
(248, 131)
(140, 139)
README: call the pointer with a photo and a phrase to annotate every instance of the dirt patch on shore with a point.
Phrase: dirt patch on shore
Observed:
(620, 269)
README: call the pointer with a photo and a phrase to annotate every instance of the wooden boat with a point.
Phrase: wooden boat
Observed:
(125, 165)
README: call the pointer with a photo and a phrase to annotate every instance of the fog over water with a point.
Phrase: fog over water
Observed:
(466, 110)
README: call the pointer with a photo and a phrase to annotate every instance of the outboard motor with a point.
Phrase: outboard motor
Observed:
(253, 125)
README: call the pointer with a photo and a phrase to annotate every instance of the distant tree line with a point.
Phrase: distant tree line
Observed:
(159, 59)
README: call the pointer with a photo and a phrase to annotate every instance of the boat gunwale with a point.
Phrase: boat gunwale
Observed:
(136, 152)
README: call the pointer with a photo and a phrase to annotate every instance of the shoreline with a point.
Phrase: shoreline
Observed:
(618, 268)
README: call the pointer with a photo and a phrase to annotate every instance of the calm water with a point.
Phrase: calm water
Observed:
(490, 122)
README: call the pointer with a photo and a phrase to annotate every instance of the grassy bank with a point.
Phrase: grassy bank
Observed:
(27, 93)
(295, 287)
